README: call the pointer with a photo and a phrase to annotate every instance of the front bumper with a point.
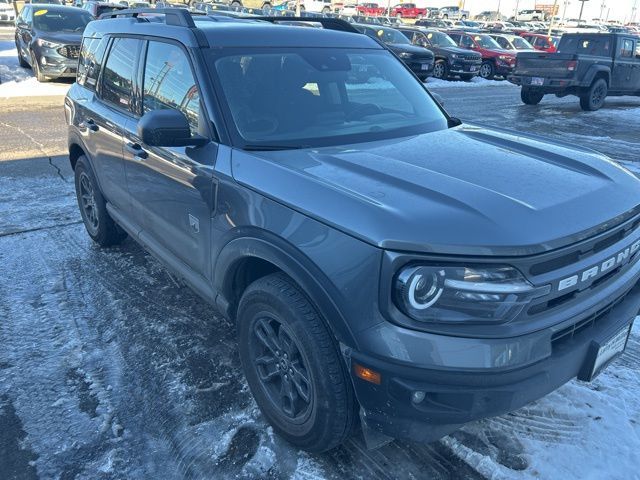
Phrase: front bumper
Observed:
(7, 16)
(422, 68)
(454, 396)
(54, 65)
(462, 68)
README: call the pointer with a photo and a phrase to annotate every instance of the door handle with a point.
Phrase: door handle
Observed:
(136, 150)
(90, 125)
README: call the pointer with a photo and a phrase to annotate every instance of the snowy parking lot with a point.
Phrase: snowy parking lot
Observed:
(111, 368)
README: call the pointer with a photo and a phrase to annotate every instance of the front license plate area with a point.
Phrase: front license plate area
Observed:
(600, 355)
(424, 66)
(539, 81)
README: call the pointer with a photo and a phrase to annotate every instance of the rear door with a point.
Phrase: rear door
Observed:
(107, 117)
(24, 23)
(624, 66)
(172, 188)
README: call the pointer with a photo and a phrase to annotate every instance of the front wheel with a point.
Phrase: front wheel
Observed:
(593, 99)
(487, 70)
(293, 366)
(441, 70)
(530, 97)
(35, 66)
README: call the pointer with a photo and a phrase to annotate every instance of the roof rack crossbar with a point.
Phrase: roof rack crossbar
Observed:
(328, 23)
(173, 16)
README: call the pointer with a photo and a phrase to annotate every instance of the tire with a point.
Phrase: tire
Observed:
(274, 319)
(326, 10)
(40, 77)
(487, 70)
(441, 70)
(464, 17)
(266, 6)
(236, 5)
(399, 16)
(593, 99)
(531, 97)
(97, 221)
(21, 61)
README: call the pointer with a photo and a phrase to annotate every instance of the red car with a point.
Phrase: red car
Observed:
(407, 10)
(542, 42)
(369, 9)
(496, 61)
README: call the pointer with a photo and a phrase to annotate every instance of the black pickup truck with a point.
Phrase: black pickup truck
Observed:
(591, 66)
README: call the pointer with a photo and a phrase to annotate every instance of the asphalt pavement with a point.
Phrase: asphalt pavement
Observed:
(111, 368)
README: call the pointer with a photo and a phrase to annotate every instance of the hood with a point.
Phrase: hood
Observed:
(465, 190)
(413, 49)
(459, 51)
(63, 38)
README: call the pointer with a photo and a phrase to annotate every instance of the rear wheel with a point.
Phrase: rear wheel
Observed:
(593, 99)
(531, 97)
(487, 70)
(100, 226)
(441, 70)
(293, 365)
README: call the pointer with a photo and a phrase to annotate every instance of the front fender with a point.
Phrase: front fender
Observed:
(260, 244)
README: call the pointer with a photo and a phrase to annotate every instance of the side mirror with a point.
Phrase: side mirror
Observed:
(167, 128)
(23, 26)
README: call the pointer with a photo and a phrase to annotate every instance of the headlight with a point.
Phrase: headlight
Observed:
(455, 56)
(44, 43)
(457, 294)
(506, 58)
(406, 55)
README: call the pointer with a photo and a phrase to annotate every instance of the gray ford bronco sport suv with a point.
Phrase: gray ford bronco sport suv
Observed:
(385, 264)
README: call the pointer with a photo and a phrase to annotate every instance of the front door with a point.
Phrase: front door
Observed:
(172, 190)
(624, 66)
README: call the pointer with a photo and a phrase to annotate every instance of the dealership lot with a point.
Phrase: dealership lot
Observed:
(113, 369)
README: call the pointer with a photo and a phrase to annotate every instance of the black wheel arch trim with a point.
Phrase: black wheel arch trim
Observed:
(263, 245)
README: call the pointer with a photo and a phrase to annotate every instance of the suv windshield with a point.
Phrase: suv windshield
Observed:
(58, 20)
(439, 39)
(485, 41)
(387, 35)
(310, 97)
(521, 44)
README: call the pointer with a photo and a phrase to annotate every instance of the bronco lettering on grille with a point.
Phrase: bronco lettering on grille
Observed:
(621, 258)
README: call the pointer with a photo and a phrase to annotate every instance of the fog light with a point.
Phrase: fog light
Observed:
(417, 396)
(43, 60)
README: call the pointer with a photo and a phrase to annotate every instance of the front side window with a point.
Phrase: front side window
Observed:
(117, 78)
(316, 97)
(169, 82)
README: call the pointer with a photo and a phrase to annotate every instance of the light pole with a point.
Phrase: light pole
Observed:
(564, 11)
(581, 9)
(515, 14)
(499, 16)
(634, 11)
(553, 14)
(602, 8)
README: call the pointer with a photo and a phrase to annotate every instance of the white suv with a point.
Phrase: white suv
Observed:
(531, 15)
(7, 13)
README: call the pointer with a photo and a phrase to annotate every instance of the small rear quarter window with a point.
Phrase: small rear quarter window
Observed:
(90, 61)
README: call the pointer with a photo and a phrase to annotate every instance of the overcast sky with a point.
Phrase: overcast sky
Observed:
(619, 9)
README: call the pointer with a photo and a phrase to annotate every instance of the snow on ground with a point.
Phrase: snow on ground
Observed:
(473, 83)
(16, 81)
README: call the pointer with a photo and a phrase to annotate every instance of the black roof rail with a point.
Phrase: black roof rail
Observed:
(179, 17)
(328, 23)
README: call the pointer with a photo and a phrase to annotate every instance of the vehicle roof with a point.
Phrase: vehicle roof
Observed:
(53, 7)
(222, 31)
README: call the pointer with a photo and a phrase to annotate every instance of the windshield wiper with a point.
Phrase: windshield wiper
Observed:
(266, 148)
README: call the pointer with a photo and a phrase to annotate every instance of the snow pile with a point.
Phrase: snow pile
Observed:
(16, 81)
(475, 82)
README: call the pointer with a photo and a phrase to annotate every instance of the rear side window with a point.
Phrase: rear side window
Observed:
(117, 78)
(595, 46)
(169, 82)
(90, 62)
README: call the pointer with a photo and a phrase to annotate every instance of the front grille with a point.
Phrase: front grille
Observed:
(70, 51)
(586, 249)
(470, 58)
(566, 334)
